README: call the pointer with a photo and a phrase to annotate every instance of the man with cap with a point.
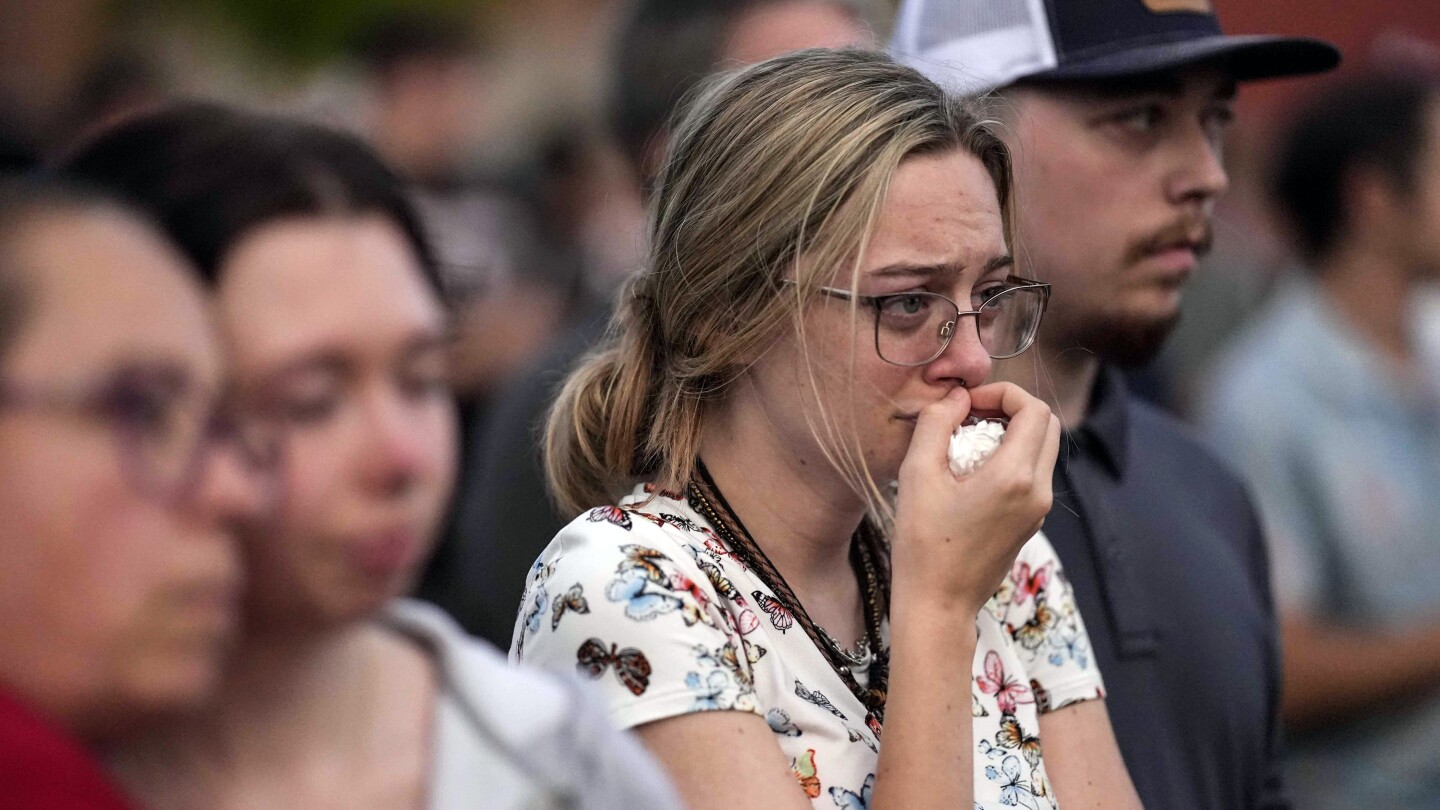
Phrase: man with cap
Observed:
(1116, 112)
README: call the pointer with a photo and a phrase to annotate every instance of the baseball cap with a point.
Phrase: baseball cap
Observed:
(972, 46)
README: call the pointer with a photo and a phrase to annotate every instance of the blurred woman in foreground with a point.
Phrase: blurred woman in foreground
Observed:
(342, 695)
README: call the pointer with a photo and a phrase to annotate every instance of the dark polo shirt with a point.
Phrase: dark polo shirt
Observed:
(1170, 572)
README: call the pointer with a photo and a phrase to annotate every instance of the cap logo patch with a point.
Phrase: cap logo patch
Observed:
(1172, 6)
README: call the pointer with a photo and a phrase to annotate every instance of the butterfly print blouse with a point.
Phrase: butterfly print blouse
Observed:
(645, 599)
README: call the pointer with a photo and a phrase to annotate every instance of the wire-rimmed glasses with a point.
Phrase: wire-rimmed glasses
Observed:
(914, 328)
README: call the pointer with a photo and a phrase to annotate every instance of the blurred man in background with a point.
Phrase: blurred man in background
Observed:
(1116, 111)
(1328, 406)
(120, 577)
(663, 50)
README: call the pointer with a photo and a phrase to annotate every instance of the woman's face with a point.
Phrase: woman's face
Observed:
(939, 230)
(121, 572)
(333, 331)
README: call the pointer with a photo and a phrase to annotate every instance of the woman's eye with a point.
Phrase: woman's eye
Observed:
(982, 295)
(307, 407)
(424, 384)
(906, 305)
(145, 411)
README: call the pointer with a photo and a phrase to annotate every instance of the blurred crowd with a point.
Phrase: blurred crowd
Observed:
(527, 138)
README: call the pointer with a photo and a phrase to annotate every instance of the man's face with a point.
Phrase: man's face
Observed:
(1418, 211)
(1116, 184)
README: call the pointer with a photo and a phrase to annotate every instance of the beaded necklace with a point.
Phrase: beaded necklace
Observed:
(866, 555)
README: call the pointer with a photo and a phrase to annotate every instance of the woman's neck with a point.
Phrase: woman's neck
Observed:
(795, 505)
(335, 711)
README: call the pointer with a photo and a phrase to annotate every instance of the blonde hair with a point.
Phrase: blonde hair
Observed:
(783, 161)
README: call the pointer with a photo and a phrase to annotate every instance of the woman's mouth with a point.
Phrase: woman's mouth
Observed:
(385, 554)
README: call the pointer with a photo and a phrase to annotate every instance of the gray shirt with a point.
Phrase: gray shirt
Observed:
(508, 737)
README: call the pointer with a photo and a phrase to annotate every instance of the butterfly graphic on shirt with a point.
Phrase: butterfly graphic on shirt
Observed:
(1033, 632)
(1042, 697)
(709, 690)
(781, 724)
(1029, 583)
(538, 603)
(1069, 645)
(730, 658)
(652, 518)
(632, 587)
(977, 710)
(1007, 691)
(857, 736)
(818, 699)
(718, 580)
(848, 800)
(1012, 737)
(780, 616)
(681, 522)
(745, 623)
(610, 514)
(803, 767)
(1014, 791)
(644, 559)
(990, 750)
(717, 549)
(631, 665)
(572, 600)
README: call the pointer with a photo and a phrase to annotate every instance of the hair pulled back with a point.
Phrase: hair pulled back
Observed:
(775, 172)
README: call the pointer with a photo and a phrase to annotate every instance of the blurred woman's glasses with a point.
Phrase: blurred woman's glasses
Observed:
(163, 427)
(914, 328)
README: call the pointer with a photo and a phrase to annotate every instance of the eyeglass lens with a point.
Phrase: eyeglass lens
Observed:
(914, 328)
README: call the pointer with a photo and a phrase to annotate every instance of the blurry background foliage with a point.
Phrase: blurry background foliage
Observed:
(304, 34)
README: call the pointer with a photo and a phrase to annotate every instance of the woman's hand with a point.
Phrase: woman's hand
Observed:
(956, 538)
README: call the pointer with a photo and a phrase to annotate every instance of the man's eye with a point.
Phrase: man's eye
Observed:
(1141, 120)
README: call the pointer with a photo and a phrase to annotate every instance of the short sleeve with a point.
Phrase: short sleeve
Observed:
(1036, 606)
(618, 598)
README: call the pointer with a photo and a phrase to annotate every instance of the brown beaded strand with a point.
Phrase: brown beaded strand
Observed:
(866, 553)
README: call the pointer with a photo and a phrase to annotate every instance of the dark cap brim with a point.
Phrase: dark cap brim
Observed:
(1245, 57)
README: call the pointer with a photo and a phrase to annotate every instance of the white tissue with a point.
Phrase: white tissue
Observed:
(971, 445)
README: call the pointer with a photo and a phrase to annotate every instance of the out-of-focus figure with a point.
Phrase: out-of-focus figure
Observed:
(120, 486)
(340, 694)
(427, 102)
(1327, 405)
(504, 517)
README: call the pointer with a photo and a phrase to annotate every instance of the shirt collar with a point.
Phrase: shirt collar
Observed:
(1105, 429)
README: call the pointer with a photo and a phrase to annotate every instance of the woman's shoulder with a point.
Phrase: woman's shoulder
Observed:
(478, 675)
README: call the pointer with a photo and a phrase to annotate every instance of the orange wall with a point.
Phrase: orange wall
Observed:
(1354, 25)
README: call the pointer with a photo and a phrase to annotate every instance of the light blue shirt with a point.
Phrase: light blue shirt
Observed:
(1343, 453)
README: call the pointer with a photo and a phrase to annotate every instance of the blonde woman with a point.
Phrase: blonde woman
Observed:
(740, 581)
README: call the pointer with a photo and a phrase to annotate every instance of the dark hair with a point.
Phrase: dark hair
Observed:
(23, 200)
(210, 174)
(664, 49)
(402, 36)
(1379, 121)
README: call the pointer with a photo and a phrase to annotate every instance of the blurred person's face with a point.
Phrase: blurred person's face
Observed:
(332, 328)
(1419, 212)
(939, 230)
(119, 592)
(772, 29)
(1116, 185)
